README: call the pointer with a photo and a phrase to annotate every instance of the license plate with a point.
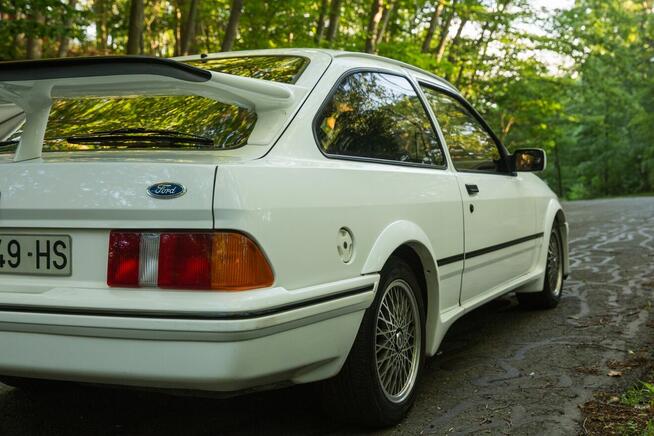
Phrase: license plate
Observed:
(35, 254)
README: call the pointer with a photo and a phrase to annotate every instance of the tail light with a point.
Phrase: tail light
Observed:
(226, 261)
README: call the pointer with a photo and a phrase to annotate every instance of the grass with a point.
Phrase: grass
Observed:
(627, 413)
(641, 395)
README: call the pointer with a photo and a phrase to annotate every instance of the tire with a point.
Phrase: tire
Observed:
(550, 296)
(363, 394)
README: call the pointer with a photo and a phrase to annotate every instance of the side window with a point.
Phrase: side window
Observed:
(471, 147)
(379, 116)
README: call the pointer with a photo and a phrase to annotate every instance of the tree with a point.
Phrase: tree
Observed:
(232, 25)
(34, 41)
(135, 35)
(334, 16)
(433, 24)
(64, 39)
(188, 33)
(320, 26)
(374, 19)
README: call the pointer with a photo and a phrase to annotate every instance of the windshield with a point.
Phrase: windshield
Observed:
(154, 122)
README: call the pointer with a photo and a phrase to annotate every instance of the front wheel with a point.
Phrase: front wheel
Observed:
(550, 296)
(376, 386)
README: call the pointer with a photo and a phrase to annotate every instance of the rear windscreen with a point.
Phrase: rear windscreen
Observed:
(145, 122)
(157, 122)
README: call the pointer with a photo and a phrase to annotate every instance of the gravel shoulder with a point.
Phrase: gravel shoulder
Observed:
(500, 369)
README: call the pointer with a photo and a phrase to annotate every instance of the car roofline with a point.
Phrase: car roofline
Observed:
(445, 83)
(310, 52)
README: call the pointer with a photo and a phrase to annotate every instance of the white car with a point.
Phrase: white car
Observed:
(247, 220)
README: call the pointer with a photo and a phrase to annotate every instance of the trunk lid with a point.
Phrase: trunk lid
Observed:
(104, 193)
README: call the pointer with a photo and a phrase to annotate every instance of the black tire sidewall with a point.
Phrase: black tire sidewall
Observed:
(547, 290)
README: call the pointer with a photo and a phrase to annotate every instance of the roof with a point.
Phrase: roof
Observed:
(312, 52)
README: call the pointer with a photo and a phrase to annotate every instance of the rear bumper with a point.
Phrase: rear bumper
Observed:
(303, 340)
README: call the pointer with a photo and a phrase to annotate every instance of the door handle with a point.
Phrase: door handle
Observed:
(472, 189)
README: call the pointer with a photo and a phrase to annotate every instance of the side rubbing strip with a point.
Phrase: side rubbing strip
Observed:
(486, 250)
(211, 316)
(492, 248)
(451, 259)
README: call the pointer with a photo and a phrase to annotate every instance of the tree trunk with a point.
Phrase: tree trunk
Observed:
(34, 41)
(559, 177)
(64, 41)
(334, 15)
(456, 39)
(433, 23)
(375, 16)
(320, 26)
(445, 30)
(101, 32)
(188, 36)
(135, 34)
(386, 15)
(232, 25)
(484, 40)
(178, 30)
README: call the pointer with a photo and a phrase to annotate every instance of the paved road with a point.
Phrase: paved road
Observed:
(500, 370)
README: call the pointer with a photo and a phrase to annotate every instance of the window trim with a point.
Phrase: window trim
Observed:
(330, 95)
(504, 152)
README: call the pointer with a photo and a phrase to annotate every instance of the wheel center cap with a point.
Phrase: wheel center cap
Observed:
(398, 340)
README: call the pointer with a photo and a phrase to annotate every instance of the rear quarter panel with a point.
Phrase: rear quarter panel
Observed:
(294, 201)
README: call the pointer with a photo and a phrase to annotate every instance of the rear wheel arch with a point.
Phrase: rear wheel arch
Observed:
(409, 242)
(410, 253)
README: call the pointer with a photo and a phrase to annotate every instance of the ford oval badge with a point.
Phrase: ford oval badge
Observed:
(166, 190)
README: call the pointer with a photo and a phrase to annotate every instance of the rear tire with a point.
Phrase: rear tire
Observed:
(550, 296)
(377, 385)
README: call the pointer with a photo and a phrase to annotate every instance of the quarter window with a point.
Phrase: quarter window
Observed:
(471, 147)
(378, 116)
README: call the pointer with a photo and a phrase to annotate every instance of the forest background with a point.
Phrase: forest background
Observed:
(576, 80)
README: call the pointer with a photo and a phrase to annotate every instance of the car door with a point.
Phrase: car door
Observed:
(499, 213)
(377, 121)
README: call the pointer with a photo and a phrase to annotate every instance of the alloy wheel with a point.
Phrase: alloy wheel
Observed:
(398, 341)
(554, 265)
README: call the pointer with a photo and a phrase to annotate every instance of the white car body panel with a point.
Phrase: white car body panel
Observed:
(292, 200)
(496, 219)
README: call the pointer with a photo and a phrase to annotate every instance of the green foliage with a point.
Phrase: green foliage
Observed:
(641, 395)
(593, 114)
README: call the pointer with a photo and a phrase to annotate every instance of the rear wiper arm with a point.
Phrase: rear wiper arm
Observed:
(129, 136)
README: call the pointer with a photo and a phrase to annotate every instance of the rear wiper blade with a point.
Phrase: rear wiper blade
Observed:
(133, 136)
(131, 130)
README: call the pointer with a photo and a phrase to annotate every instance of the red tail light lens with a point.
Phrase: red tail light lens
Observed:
(185, 260)
(123, 265)
(226, 261)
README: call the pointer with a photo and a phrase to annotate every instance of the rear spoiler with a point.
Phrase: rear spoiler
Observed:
(31, 86)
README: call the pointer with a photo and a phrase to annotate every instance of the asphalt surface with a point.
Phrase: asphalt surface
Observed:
(500, 369)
